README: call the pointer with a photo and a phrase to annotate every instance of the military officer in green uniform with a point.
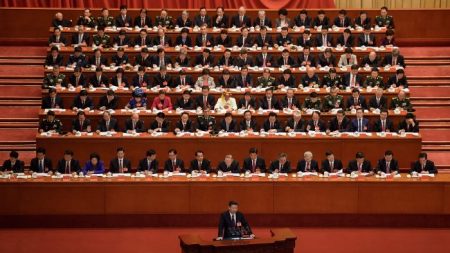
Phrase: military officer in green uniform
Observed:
(333, 100)
(312, 102)
(266, 80)
(374, 80)
(384, 20)
(55, 78)
(332, 79)
(50, 123)
(105, 20)
(164, 20)
(101, 39)
(86, 19)
(206, 122)
(401, 102)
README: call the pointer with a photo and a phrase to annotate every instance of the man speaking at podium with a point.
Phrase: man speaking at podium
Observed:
(232, 224)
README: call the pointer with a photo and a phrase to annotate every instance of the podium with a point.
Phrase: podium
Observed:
(282, 241)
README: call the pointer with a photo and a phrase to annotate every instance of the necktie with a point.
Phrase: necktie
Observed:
(182, 81)
(353, 82)
(81, 125)
(307, 166)
(120, 165)
(174, 164)
(77, 80)
(203, 19)
(233, 219)
(324, 40)
(149, 163)
(342, 22)
(315, 124)
(41, 165)
(80, 38)
(394, 61)
(271, 125)
(141, 79)
(162, 41)
(253, 165)
(383, 126)
(205, 101)
(359, 125)
(134, 125)
(162, 61)
(199, 164)
(107, 125)
(289, 102)
(241, 19)
(53, 103)
(264, 60)
(142, 22)
(331, 166)
(360, 167)
(67, 171)
(262, 24)
(99, 80)
(269, 103)
(285, 61)
(295, 124)
(423, 166)
(204, 40)
(143, 42)
(97, 61)
(367, 38)
(82, 103)
(388, 168)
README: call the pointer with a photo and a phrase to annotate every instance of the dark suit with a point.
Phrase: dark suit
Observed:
(73, 167)
(341, 41)
(145, 81)
(244, 62)
(299, 127)
(114, 165)
(186, 42)
(259, 164)
(276, 125)
(320, 42)
(209, 39)
(113, 125)
(366, 61)
(330, 62)
(380, 104)
(267, 40)
(223, 22)
(244, 82)
(158, 79)
(50, 61)
(284, 103)
(92, 61)
(232, 127)
(76, 125)
(247, 43)
(337, 165)
(362, 41)
(290, 61)
(205, 166)
(354, 125)
(198, 21)
(224, 42)
(80, 105)
(408, 128)
(120, 22)
(210, 99)
(247, 105)
(253, 125)
(347, 22)
(223, 61)
(264, 103)
(188, 127)
(313, 166)
(235, 21)
(275, 165)
(108, 104)
(124, 42)
(156, 60)
(267, 22)
(81, 80)
(260, 61)
(228, 229)
(98, 82)
(164, 126)
(115, 81)
(139, 127)
(429, 166)
(334, 125)
(381, 166)
(119, 60)
(144, 165)
(138, 21)
(158, 40)
(16, 168)
(182, 23)
(321, 124)
(233, 168)
(169, 166)
(299, 22)
(47, 102)
(310, 58)
(352, 102)
(353, 166)
(347, 81)
(388, 60)
(187, 81)
(147, 42)
(230, 83)
(377, 127)
(187, 105)
(200, 60)
(34, 165)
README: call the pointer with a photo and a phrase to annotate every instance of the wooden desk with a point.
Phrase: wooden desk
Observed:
(282, 241)
(125, 95)
(215, 148)
(216, 73)
(95, 116)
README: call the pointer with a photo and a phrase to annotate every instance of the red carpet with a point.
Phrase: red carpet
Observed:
(441, 158)
(19, 112)
(20, 91)
(430, 91)
(438, 135)
(431, 71)
(425, 51)
(18, 134)
(22, 51)
(21, 71)
(433, 113)
(166, 240)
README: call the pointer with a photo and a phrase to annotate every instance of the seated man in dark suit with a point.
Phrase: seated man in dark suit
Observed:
(54, 58)
(41, 164)
(244, 40)
(183, 80)
(356, 101)
(143, 59)
(360, 165)
(264, 59)
(307, 164)
(254, 163)
(204, 39)
(99, 79)
(378, 101)
(281, 165)
(134, 124)
(397, 80)
(184, 124)
(229, 165)
(220, 20)
(122, 40)
(353, 79)
(226, 60)
(81, 124)
(68, 165)
(200, 164)
(247, 102)
(77, 79)
(202, 19)
(149, 163)
(107, 123)
(263, 39)
(330, 164)
(232, 224)
(409, 124)
(52, 100)
(295, 123)
(388, 164)
(241, 19)
(272, 124)
(206, 100)
(184, 39)
(340, 123)
(269, 102)
(120, 164)
(108, 101)
(359, 124)
(394, 59)
(173, 164)
(185, 102)
(423, 165)
(160, 124)
(228, 124)
(248, 123)
(13, 164)
(383, 124)
(372, 60)
(315, 123)
(367, 38)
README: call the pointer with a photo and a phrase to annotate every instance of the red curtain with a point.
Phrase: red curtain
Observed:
(211, 4)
